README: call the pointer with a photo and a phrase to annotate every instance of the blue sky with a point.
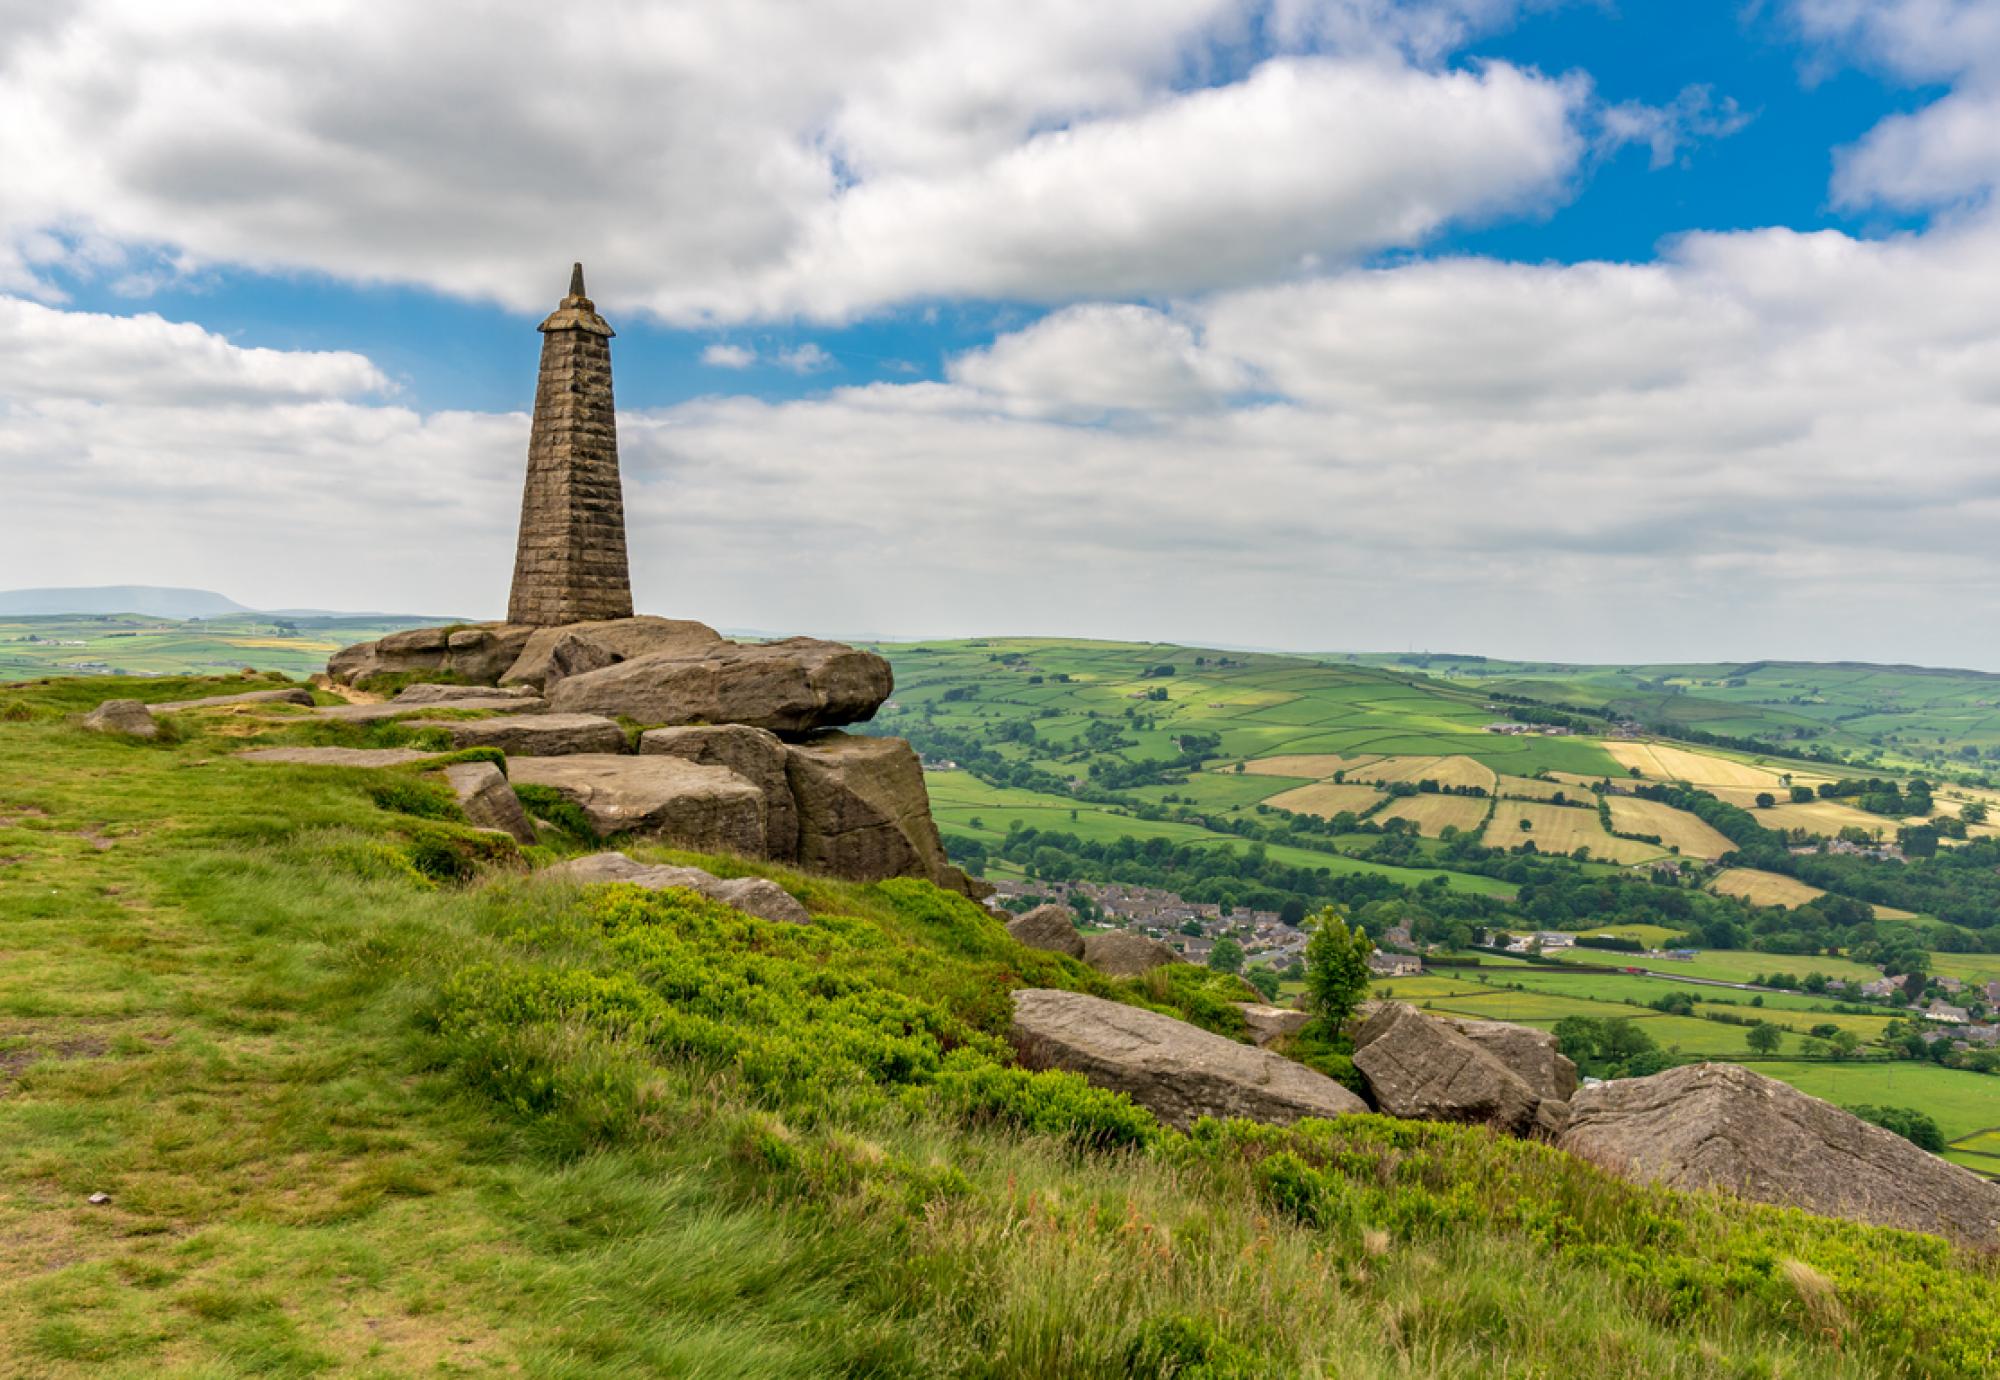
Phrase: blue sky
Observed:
(1319, 323)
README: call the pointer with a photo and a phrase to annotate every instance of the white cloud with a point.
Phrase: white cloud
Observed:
(45, 353)
(1948, 151)
(757, 158)
(1766, 444)
(1694, 115)
(720, 356)
(805, 359)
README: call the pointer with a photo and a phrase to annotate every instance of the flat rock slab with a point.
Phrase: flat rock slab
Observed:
(1175, 1070)
(477, 651)
(533, 735)
(791, 686)
(1723, 1126)
(703, 808)
(295, 695)
(756, 896)
(338, 756)
(398, 708)
(488, 801)
(755, 754)
(1051, 928)
(1425, 1070)
(425, 692)
(863, 810)
(1121, 953)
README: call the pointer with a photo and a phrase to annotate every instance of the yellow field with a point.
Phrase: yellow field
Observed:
(1765, 888)
(1663, 762)
(1824, 818)
(1676, 828)
(1325, 799)
(1570, 778)
(1776, 889)
(1528, 788)
(1561, 829)
(1446, 771)
(1312, 766)
(1433, 814)
(297, 644)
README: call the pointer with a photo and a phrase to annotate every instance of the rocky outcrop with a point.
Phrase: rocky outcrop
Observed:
(533, 735)
(122, 718)
(338, 756)
(488, 801)
(756, 896)
(755, 754)
(1177, 1071)
(479, 652)
(297, 694)
(1121, 953)
(1052, 928)
(792, 686)
(1530, 1054)
(1723, 1126)
(554, 654)
(705, 809)
(1426, 1070)
(863, 810)
(1270, 1023)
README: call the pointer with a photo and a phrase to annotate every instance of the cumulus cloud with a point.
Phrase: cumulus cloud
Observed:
(1693, 116)
(1948, 151)
(718, 162)
(721, 356)
(45, 353)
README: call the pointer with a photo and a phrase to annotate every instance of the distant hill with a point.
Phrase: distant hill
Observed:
(158, 601)
(155, 600)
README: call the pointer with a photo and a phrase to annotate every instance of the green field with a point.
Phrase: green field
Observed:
(134, 644)
(1905, 717)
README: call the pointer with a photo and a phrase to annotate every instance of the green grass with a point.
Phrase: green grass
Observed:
(132, 644)
(354, 1120)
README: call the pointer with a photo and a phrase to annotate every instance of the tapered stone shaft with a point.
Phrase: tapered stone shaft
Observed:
(570, 565)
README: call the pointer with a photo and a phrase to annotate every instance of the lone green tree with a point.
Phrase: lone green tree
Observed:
(1765, 1037)
(1336, 967)
(1226, 956)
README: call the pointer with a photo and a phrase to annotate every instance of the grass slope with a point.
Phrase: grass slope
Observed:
(368, 1102)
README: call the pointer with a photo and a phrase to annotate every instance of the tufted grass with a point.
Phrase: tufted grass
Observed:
(358, 1118)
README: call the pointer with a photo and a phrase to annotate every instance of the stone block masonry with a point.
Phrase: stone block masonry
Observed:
(570, 564)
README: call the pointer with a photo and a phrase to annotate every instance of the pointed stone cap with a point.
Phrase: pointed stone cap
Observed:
(577, 312)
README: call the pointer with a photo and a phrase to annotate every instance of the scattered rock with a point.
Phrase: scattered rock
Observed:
(1269, 1023)
(488, 801)
(1048, 927)
(706, 809)
(1530, 1054)
(791, 686)
(338, 756)
(297, 694)
(1425, 1070)
(756, 896)
(533, 735)
(864, 813)
(98, 1199)
(1727, 1127)
(755, 754)
(1177, 1071)
(554, 654)
(125, 718)
(1121, 953)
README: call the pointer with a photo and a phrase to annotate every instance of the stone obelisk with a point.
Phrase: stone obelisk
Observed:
(570, 564)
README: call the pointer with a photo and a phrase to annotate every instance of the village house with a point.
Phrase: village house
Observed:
(1945, 1014)
(1394, 965)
